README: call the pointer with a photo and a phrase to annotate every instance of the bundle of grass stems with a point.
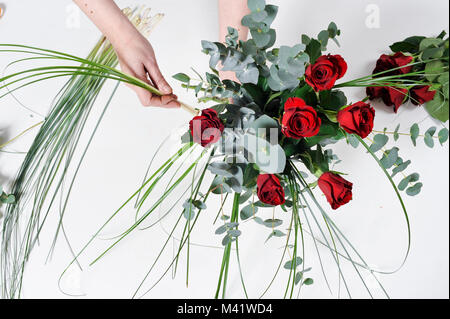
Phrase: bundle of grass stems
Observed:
(39, 184)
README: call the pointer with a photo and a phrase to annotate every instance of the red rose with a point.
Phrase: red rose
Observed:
(357, 119)
(270, 190)
(299, 120)
(206, 128)
(388, 62)
(325, 72)
(337, 190)
(391, 96)
(421, 94)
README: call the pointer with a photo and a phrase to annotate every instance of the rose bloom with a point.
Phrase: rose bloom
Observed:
(357, 119)
(337, 190)
(299, 120)
(421, 94)
(206, 128)
(323, 74)
(391, 96)
(269, 190)
(388, 62)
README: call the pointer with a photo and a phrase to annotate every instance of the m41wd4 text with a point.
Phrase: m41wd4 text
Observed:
(246, 308)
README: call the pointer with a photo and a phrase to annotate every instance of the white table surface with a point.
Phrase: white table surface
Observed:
(130, 134)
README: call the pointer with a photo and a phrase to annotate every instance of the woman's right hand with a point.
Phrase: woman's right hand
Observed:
(135, 53)
(137, 58)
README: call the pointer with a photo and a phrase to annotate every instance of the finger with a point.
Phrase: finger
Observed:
(157, 78)
(173, 105)
(145, 96)
(156, 100)
(166, 101)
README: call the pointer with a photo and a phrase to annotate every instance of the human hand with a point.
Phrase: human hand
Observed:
(135, 53)
(228, 75)
(137, 58)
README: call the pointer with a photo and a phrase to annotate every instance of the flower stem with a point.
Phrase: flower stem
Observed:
(406, 134)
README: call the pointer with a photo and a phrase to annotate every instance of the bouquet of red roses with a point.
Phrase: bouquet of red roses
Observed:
(282, 114)
(277, 121)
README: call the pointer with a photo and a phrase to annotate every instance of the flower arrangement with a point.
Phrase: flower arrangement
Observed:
(280, 118)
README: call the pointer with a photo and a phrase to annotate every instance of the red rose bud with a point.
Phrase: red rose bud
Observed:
(324, 73)
(388, 62)
(270, 190)
(206, 128)
(337, 190)
(394, 97)
(357, 119)
(421, 94)
(299, 120)
(374, 92)
(391, 96)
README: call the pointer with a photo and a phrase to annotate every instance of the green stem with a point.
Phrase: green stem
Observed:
(405, 134)
(226, 254)
(396, 192)
(20, 135)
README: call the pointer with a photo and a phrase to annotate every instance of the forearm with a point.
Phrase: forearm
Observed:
(231, 13)
(109, 19)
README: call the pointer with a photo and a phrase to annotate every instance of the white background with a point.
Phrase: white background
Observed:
(130, 134)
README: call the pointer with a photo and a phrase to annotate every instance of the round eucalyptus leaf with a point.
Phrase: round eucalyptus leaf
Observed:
(400, 167)
(443, 135)
(352, 140)
(248, 212)
(249, 74)
(297, 261)
(256, 5)
(414, 190)
(261, 38)
(428, 138)
(226, 240)
(259, 16)
(379, 141)
(220, 169)
(298, 277)
(234, 233)
(221, 230)
(389, 158)
(270, 158)
(271, 11)
(408, 179)
(414, 131)
(308, 281)
(272, 223)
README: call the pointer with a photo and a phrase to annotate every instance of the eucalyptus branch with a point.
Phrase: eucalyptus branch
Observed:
(399, 133)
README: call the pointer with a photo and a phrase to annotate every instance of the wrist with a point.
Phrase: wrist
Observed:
(122, 33)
